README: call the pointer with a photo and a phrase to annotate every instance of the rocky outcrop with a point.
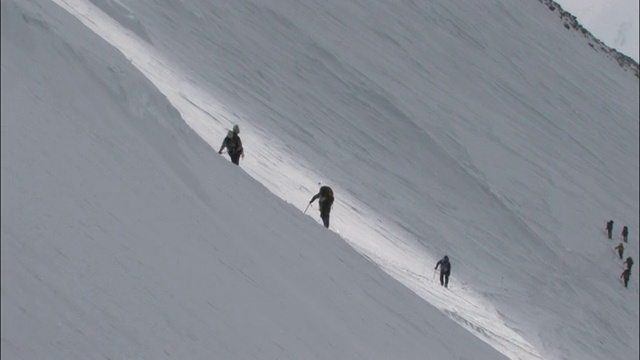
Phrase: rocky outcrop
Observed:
(571, 23)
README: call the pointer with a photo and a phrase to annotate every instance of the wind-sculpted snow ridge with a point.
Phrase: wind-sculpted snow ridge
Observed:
(571, 22)
(119, 12)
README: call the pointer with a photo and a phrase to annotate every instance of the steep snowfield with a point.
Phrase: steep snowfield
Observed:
(485, 131)
(125, 236)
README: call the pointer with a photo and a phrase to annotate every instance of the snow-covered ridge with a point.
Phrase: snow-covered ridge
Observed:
(444, 127)
(571, 22)
(123, 15)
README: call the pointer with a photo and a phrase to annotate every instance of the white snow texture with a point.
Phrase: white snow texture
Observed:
(482, 130)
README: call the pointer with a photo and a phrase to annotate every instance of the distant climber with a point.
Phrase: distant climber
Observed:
(629, 263)
(625, 233)
(445, 270)
(233, 144)
(325, 200)
(625, 276)
(609, 228)
(620, 249)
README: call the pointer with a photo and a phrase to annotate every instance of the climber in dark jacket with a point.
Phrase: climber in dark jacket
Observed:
(620, 249)
(234, 145)
(325, 196)
(445, 270)
(625, 276)
(629, 262)
(609, 228)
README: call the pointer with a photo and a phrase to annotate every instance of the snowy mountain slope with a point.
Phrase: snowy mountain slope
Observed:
(485, 131)
(125, 236)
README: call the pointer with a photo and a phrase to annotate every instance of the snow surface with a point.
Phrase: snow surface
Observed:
(481, 130)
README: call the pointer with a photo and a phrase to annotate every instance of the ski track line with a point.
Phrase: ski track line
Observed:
(279, 171)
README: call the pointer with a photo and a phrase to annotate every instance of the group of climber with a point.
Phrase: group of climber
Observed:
(325, 198)
(628, 262)
(233, 144)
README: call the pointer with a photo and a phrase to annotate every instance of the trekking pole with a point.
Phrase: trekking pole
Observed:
(434, 274)
(305, 209)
